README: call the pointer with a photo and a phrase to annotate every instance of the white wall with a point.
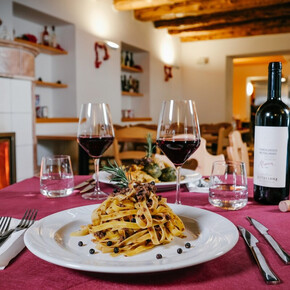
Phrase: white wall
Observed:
(211, 84)
(97, 20)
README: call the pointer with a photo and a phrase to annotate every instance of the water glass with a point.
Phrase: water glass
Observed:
(228, 185)
(56, 176)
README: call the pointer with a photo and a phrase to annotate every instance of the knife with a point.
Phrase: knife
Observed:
(89, 187)
(264, 231)
(84, 183)
(268, 274)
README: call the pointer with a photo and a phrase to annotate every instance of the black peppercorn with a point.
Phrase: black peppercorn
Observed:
(92, 251)
(187, 245)
(116, 250)
(109, 243)
(179, 250)
(133, 220)
(80, 243)
(158, 256)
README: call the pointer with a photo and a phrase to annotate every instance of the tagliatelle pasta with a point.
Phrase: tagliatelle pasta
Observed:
(133, 221)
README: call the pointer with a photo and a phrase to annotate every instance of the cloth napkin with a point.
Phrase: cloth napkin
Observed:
(200, 185)
(12, 246)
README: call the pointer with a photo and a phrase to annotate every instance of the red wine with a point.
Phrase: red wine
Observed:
(178, 151)
(94, 145)
(271, 152)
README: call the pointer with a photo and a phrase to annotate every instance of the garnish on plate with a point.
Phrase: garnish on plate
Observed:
(147, 169)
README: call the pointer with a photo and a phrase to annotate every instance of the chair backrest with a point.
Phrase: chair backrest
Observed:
(238, 150)
(204, 159)
(223, 139)
(132, 134)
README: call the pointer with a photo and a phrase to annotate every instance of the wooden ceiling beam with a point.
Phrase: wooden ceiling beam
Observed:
(246, 15)
(199, 7)
(123, 5)
(274, 26)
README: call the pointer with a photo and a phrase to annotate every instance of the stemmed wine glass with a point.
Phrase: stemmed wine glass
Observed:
(95, 135)
(178, 134)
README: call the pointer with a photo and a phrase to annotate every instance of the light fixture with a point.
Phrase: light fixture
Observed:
(112, 44)
(250, 88)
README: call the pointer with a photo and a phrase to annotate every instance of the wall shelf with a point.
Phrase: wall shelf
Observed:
(131, 69)
(43, 48)
(50, 85)
(140, 119)
(57, 120)
(132, 94)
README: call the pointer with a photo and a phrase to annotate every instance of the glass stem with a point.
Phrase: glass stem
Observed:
(97, 166)
(178, 200)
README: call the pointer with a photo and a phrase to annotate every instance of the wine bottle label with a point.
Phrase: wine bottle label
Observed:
(270, 154)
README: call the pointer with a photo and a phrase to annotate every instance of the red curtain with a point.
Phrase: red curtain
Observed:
(4, 164)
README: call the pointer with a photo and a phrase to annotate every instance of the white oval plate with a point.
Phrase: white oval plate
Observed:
(189, 176)
(50, 240)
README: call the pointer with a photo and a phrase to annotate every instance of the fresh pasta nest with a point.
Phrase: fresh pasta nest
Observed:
(133, 220)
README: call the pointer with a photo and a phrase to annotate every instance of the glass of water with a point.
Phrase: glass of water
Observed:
(228, 185)
(56, 176)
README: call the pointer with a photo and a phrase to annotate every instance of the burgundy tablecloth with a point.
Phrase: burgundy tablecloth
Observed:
(234, 270)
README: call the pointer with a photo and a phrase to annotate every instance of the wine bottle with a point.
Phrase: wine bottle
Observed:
(45, 36)
(127, 59)
(53, 37)
(271, 144)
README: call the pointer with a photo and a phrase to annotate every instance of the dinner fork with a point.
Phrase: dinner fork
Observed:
(4, 225)
(26, 221)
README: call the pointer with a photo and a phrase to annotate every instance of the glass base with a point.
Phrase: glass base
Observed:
(95, 195)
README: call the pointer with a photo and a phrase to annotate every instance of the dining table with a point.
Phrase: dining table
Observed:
(235, 269)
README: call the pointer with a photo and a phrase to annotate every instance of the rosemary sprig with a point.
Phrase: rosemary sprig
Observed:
(118, 174)
(149, 147)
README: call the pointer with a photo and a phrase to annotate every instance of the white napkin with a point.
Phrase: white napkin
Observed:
(200, 185)
(12, 246)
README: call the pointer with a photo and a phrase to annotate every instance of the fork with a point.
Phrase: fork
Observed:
(26, 221)
(4, 225)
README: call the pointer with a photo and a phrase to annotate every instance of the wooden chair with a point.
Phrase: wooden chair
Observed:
(238, 150)
(132, 134)
(223, 139)
(216, 136)
(201, 160)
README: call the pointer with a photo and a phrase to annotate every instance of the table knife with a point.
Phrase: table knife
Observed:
(84, 183)
(264, 231)
(268, 274)
(87, 188)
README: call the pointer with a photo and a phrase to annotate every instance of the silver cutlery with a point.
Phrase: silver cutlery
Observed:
(4, 224)
(88, 188)
(267, 273)
(26, 221)
(264, 231)
(84, 183)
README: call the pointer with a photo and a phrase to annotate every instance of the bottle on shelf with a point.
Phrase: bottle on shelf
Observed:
(271, 144)
(127, 59)
(131, 62)
(45, 36)
(53, 37)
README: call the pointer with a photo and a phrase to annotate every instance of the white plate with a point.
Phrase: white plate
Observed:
(50, 240)
(189, 176)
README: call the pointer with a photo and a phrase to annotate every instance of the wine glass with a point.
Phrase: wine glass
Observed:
(178, 134)
(95, 135)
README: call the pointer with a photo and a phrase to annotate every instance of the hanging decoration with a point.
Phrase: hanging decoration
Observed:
(102, 46)
(168, 72)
